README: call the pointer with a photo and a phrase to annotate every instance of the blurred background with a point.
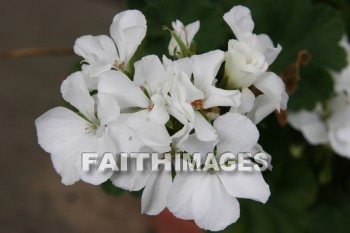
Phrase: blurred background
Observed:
(310, 185)
(32, 197)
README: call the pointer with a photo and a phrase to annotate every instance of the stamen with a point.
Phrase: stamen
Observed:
(197, 104)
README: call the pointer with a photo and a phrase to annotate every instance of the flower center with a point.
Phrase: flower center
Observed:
(119, 65)
(197, 105)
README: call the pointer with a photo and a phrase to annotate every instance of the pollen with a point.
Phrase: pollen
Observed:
(197, 104)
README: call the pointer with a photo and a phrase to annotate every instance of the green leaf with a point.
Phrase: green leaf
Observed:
(109, 188)
(315, 86)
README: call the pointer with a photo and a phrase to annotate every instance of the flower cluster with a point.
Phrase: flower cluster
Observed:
(329, 122)
(185, 104)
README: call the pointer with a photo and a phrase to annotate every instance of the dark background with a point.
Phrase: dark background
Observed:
(32, 198)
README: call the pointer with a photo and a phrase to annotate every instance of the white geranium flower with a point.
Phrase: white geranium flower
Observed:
(186, 35)
(247, 60)
(209, 198)
(185, 98)
(104, 53)
(149, 121)
(326, 125)
(205, 69)
(66, 134)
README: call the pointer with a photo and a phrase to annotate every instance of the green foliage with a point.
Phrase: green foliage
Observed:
(316, 85)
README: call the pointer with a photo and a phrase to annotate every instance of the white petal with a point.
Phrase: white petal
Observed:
(240, 21)
(213, 208)
(185, 90)
(236, 133)
(262, 108)
(265, 45)
(206, 67)
(247, 102)
(249, 185)
(61, 133)
(155, 194)
(128, 95)
(93, 176)
(98, 51)
(339, 138)
(158, 112)
(203, 129)
(272, 86)
(131, 180)
(151, 133)
(258, 149)
(181, 136)
(75, 92)
(128, 30)
(309, 123)
(181, 194)
(123, 136)
(181, 65)
(150, 73)
(194, 145)
(219, 97)
(108, 108)
(191, 30)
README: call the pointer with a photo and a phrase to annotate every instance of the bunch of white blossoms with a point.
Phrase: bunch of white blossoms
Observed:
(329, 122)
(164, 106)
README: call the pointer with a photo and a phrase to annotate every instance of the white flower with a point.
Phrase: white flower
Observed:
(185, 34)
(149, 121)
(66, 134)
(205, 69)
(209, 198)
(326, 125)
(104, 53)
(247, 60)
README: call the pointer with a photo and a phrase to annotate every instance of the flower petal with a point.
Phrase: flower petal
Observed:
(151, 133)
(128, 30)
(61, 133)
(194, 145)
(310, 124)
(191, 30)
(247, 102)
(75, 92)
(155, 194)
(219, 97)
(262, 108)
(131, 180)
(206, 67)
(213, 208)
(123, 136)
(203, 129)
(108, 108)
(128, 95)
(244, 184)
(98, 51)
(150, 73)
(240, 21)
(272, 86)
(236, 133)
(267, 48)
